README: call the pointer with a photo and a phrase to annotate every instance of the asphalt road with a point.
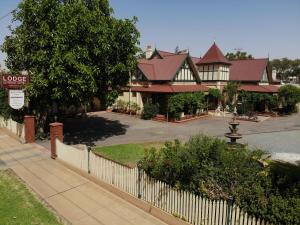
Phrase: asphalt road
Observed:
(280, 135)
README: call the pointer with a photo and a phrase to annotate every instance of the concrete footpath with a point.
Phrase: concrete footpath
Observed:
(73, 197)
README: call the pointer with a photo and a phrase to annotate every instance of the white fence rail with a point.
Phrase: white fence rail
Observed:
(187, 206)
(77, 157)
(13, 126)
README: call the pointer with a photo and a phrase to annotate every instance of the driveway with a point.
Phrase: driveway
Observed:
(276, 135)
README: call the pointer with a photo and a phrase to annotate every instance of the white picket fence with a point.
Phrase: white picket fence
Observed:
(187, 206)
(13, 126)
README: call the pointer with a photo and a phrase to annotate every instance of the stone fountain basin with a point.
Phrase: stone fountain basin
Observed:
(231, 135)
(234, 123)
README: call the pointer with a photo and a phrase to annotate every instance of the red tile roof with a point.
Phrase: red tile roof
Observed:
(213, 55)
(160, 88)
(195, 60)
(247, 70)
(162, 69)
(260, 88)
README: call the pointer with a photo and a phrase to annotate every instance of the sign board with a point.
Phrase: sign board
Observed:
(16, 99)
(13, 81)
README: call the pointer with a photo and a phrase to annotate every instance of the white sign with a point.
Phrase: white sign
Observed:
(16, 99)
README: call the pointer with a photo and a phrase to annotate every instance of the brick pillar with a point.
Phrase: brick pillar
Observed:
(56, 131)
(29, 122)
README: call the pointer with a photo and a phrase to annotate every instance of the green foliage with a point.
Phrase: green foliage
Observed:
(289, 96)
(188, 103)
(216, 93)
(123, 106)
(150, 111)
(74, 50)
(257, 101)
(231, 90)
(238, 55)
(209, 167)
(286, 67)
(6, 111)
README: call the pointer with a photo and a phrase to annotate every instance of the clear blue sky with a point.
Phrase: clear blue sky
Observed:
(257, 26)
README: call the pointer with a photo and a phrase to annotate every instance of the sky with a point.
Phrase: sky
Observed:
(260, 27)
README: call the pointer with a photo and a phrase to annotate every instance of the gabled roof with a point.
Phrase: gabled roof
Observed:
(165, 68)
(213, 55)
(248, 70)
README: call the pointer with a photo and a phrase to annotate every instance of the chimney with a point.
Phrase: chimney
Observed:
(274, 74)
(149, 51)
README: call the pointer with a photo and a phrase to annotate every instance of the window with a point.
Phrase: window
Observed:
(134, 94)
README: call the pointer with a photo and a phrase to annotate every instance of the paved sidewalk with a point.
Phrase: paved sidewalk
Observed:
(75, 198)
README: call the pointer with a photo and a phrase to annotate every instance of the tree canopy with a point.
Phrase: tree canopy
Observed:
(286, 67)
(238, 55)
(73, 51)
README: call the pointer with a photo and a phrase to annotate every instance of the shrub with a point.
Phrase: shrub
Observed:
(209, 167)
(188, 103)
(150, 111)
(256, 101)
(216, 93)
(6, 112)
(290, 96)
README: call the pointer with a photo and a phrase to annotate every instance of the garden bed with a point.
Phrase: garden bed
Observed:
(246, 118)
(163, 118)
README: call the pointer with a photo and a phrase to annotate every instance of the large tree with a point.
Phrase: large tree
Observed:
(73, 51)
(286, 67)
(238, 55)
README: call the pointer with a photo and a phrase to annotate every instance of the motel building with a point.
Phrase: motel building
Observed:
(162, 74)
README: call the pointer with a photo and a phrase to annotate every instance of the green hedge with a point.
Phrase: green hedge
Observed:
(289, 96)
(209, 167)
(188, 103)
(150, 111)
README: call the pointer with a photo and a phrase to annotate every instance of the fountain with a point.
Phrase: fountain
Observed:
(233, 135)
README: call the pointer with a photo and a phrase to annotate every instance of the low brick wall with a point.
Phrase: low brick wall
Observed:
(14, 127)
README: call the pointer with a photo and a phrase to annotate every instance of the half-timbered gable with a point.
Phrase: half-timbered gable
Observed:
(185, 74)
(139, 76)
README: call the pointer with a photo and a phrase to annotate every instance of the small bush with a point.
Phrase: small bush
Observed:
(290, 96)
(150, 111)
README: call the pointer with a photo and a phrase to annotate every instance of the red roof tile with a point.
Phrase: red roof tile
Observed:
(160, 88)
(260, 88)
(162, 69)
(247, 70)
(213, 55)
(195, 60)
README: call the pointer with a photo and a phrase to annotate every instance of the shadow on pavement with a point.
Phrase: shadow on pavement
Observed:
(91, 129)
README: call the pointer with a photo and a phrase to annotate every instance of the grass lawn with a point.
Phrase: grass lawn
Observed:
(128, 154)
(18, 205)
